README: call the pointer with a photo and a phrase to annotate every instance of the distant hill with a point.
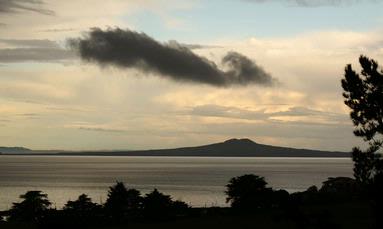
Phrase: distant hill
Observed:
(14, 150)
(229, 148)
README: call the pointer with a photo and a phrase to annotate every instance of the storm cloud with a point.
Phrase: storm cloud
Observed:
(130, 49)
(15, 6)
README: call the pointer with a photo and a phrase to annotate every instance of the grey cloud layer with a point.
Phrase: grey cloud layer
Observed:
(33, 50)
(314, 3)
(130, 49)
(34, 54)
(14, 6)
(233, 112)
(33, 43)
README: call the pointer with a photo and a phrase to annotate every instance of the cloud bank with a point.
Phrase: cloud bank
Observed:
(130, 49)
(15, 6)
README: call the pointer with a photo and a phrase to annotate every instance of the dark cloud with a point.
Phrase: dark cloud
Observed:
(242, 70)
(15, 6)
(130, 49)
(315, 3)
(33, 50)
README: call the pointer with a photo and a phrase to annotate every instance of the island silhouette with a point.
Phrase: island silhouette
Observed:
(230, 148)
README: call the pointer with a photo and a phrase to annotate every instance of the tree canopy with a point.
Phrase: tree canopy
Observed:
(121, 200)
(363, 94)
(31, 208)
(157, 204)
(248, 191)
(82, 205)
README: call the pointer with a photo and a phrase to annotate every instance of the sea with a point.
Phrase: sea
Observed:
(199, 181)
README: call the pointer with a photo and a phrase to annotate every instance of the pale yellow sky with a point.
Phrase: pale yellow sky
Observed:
(50, 99)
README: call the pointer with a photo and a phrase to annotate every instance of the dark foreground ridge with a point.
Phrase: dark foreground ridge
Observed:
(230, 148)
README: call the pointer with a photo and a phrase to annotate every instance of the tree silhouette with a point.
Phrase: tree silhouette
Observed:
(363, 94)
(180, 207)
(248, 192)
(78, 212)
(377, 204)
(31, 209)
(83, 205)
(134, 199)
(157, 205)
(122, 200)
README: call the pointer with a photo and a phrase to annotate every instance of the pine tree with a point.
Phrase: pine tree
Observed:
(363, 94)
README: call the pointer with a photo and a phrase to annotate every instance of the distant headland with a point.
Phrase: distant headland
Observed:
(230, 148)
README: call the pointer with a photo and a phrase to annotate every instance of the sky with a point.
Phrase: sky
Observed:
(143, 74)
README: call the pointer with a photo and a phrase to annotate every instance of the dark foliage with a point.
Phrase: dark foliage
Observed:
(275, 209)
(82, 207)
(280, 198)
(340, 185)
(156, 205)
(121, 201)
(31, 209)
(377, 197)
(365, 163)
(180, 208)
(78, 213)
(249, 192)
(363, 94)
(340, 189)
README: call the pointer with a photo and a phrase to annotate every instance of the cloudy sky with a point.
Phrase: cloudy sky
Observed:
(139, 74)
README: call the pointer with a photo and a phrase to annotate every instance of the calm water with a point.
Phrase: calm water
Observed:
(199, 181)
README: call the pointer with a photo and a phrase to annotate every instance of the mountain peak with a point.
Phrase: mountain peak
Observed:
(239, 141)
